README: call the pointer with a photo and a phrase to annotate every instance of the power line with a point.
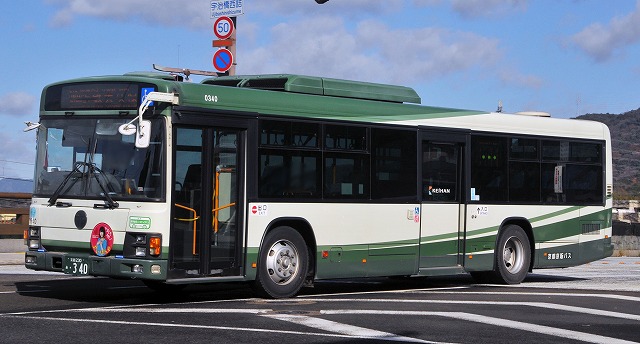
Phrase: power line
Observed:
(18, 162)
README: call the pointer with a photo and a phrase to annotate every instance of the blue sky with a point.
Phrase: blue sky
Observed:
(565, 57)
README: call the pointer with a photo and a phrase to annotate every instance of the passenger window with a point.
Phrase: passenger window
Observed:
(489, 168)
(346, 175)
(394, 171)
(285, 173)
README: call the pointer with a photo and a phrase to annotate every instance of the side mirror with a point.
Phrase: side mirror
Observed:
(143, 133)
(143, 137)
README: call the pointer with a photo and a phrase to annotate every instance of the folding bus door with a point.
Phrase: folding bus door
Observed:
(207, 201)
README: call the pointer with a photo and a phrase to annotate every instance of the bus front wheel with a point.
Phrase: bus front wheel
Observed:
(283, 263)
(513, 255)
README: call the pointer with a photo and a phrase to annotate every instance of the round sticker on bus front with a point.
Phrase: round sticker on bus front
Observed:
(101, 239)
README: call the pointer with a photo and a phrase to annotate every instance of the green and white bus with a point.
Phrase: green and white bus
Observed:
(283, 180)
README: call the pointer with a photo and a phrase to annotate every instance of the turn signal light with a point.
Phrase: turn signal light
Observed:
(155, 246)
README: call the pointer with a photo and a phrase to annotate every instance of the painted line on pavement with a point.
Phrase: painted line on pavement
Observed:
(348, 330)
(209, 327)
(605, 296)
(546, 305)
(552, 331)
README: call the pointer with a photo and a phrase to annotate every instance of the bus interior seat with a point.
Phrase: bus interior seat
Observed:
(192, 184)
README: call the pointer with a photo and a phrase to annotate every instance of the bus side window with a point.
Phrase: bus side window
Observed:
(394, 164)
(489, 168)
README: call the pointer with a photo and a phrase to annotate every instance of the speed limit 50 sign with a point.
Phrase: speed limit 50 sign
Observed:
(223, 27)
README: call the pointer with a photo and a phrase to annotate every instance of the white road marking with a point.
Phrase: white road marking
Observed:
(545, 305)
(208, 327)
(348, 330)
(338, 329)
(504, 303)
(605, 296)
(552, 331)
(25, 291)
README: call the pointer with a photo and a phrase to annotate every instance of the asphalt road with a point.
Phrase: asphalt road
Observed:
(595, 303)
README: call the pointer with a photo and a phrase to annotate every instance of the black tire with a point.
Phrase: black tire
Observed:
(283, 263)
(513, 255)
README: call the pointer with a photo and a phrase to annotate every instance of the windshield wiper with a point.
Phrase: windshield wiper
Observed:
(91, 169)
(76, 170)
(111, 204)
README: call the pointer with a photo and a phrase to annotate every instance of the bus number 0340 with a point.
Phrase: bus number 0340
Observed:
(210, 98)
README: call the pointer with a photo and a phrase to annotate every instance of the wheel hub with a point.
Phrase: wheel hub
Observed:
(513, 255)
(282, 262)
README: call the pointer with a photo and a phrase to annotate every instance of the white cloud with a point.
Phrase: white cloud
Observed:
(513, 77)
(344, 7)
(193, 14)
(372, 52)
(478, 8)
(601, 41)
(17, 104)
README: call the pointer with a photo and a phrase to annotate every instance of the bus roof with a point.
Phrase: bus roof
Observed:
(288, 95)
(326, 98)
(320, 86)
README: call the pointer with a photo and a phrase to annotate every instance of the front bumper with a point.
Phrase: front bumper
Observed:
(112, 266)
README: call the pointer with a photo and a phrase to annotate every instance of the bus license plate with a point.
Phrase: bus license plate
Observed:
(76, 266)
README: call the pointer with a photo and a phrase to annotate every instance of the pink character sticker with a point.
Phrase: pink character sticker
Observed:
(101, 239)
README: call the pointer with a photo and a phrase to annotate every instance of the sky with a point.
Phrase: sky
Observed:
(564, 57)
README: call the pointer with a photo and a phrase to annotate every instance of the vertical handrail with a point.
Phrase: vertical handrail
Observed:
(216, 197)
(216, 200)
(194, 219)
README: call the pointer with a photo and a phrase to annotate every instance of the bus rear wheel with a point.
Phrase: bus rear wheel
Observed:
(513, 255)
(283, 263)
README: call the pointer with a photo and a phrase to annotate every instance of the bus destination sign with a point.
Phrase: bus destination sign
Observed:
(95, 96)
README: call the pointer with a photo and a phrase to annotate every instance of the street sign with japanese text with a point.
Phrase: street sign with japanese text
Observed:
(229, 8)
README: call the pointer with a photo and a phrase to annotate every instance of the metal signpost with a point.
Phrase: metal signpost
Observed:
(225, 12)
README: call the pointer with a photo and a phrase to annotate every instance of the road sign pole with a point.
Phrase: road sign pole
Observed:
(232, 49)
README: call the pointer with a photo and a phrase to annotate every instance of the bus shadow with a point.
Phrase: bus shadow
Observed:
(127, 292)
(132, 292)
(536, 277)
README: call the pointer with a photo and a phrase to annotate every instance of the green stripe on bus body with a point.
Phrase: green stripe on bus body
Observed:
(598, 216)
(85, 248)
(531, 220)
(446, 236)
(439, 248)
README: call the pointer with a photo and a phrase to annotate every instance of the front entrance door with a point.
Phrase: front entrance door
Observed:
(442, 224)
(205, 235)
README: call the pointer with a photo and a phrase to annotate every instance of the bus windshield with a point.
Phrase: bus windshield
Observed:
(89, 158)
